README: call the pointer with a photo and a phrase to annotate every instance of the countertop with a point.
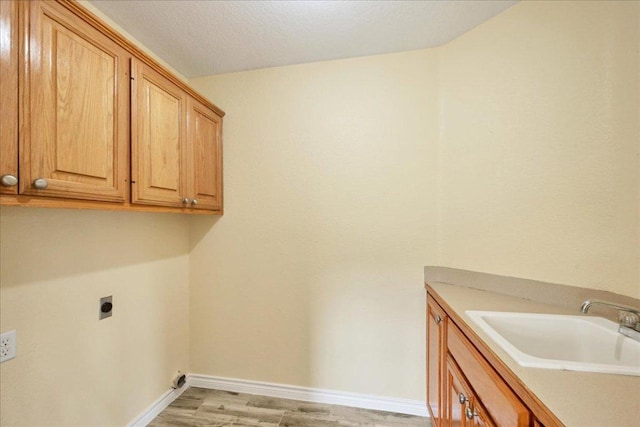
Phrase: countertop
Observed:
(578, 399)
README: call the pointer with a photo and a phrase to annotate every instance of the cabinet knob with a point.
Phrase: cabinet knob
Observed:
(470, 413)
(438, 319)
(9, 180)
(462, 399)
(194, 202)
(40, 183)
(186, 200)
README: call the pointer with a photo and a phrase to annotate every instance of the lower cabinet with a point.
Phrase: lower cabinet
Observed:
(463, 389)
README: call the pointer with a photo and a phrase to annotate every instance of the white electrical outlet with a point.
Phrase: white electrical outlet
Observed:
(7, 346)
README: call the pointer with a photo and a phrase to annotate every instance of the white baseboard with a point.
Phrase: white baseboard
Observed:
(315, 395)
(156, 407)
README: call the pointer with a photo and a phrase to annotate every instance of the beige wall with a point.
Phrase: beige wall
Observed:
(539, 166)
(313, 276)
(309, 278)
(72, 369)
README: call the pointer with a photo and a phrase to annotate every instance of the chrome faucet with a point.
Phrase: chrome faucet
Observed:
(629, 317)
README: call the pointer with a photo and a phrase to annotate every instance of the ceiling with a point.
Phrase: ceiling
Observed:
(203, 37)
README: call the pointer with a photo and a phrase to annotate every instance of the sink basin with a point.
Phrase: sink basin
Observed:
(553, 341)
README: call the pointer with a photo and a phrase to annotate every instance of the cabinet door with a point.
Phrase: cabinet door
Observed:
(464, 408)
(454, 389)
(436, 329)
(9, 97)
(205, 157)
(158, 138)
(74, 138)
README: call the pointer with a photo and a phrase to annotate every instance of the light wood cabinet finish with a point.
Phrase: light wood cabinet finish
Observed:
(9, 93)
(436, 352)
(74, 108)
(158, 138)
(496, 396)
(205, 156)
(102, 135)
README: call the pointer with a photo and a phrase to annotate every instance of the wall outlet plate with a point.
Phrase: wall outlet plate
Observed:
(7, 346)
(106, 307)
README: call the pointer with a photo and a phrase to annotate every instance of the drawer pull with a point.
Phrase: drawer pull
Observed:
(470, 413)
(462, 399)
(438, 319)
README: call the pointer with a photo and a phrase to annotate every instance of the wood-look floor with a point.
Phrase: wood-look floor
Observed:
(203, 407)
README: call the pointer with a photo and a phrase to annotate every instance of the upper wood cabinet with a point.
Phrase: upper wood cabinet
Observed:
(158, 139)
(176, 145)
(205, 156)
(75, 108)
(9, 97)
(89, 120)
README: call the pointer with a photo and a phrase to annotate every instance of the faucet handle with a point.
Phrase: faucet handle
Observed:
(629, 319)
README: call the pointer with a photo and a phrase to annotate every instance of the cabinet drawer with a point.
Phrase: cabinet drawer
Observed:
(501, 403)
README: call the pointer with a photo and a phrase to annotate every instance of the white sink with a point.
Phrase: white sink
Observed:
(553, 341)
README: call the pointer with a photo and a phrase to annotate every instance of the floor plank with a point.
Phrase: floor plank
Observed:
(199, 407)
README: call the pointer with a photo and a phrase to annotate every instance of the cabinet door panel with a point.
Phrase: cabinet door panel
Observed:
(9, 93)
(205, 145)
(436, 327)
(454, 388)
(158, 138)
(75, 135)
